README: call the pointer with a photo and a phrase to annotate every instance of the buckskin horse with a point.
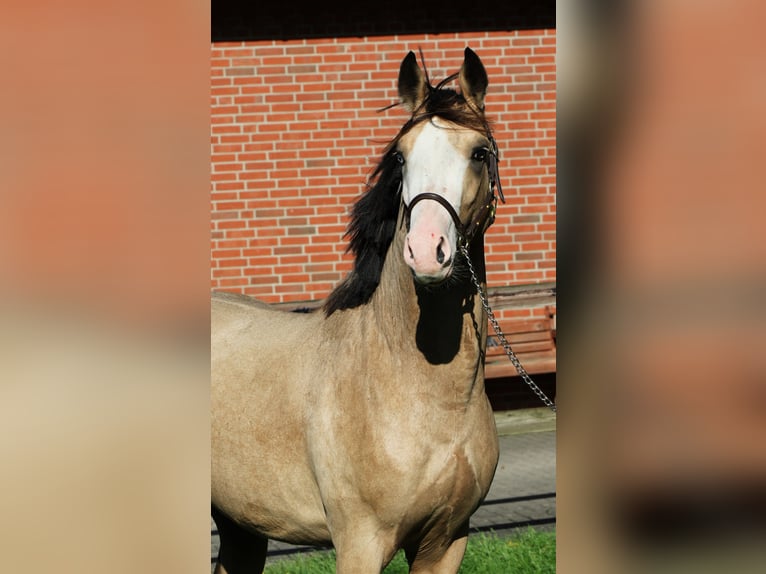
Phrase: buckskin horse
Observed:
(366, 425)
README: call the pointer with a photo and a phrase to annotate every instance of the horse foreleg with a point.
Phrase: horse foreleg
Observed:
(362, 552)
(241, 552)
(423, 562)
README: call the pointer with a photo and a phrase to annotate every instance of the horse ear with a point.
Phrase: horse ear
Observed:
(473, 80)
(412, 83)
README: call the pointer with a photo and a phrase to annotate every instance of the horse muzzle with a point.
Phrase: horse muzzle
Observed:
(430, 246)
(430, 256)
(428, 250)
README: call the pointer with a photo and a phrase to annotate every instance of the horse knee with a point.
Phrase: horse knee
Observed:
(363, 553)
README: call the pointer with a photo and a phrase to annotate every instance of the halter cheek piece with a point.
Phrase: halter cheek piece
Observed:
(486, 214)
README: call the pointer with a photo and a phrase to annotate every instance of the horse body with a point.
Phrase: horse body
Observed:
(258, 399)
(365, 427)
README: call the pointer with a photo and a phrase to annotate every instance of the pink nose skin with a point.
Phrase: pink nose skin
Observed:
(429, 256)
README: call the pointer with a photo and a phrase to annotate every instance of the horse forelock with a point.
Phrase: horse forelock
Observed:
(447, 104)
(373, 218)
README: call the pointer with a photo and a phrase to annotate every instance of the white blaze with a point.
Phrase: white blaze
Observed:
(434, 165)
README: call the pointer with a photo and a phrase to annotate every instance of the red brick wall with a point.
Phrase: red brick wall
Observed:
(296, 132)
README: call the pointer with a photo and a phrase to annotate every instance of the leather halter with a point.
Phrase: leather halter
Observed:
(485, 215)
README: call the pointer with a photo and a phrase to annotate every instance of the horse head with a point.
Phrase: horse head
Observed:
(439, 171)
(448, 166)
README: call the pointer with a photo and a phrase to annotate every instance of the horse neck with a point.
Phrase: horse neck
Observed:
(441, 326)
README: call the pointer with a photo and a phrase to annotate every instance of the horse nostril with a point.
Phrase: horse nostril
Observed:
(440, 256)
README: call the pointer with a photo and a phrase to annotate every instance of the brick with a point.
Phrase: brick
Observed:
(233, 224)
(220, 273)
(231, 243)
(295, 278)
(302, 230)
(236, 233)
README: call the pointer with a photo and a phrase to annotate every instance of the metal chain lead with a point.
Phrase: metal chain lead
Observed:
(501, 337)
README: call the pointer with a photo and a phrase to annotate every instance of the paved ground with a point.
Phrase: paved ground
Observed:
(523, 492)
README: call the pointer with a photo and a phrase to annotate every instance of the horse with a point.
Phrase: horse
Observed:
(365, 425)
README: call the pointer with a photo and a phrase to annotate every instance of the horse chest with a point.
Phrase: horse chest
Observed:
(433, 477)
(442, 494)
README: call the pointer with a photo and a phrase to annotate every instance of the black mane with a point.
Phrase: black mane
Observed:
(374, 215)
(370, 232)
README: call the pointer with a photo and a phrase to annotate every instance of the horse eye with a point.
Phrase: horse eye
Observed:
(399, 157)
(479, 154)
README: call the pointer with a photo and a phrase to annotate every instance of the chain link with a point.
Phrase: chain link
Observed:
(501, 337)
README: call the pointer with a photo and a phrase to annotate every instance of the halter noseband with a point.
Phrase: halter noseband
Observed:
(486, 214)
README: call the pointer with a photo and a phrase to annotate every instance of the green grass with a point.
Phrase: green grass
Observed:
(531, 552)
